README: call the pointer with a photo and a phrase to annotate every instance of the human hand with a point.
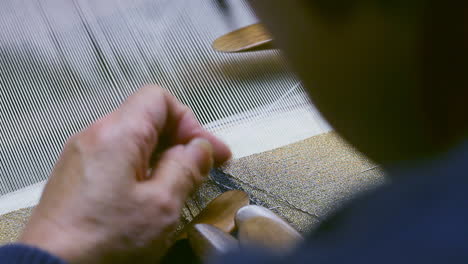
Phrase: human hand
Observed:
(118, 187)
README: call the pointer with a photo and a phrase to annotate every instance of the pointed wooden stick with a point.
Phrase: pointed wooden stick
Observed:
(208, 241)
(220, 212)
(267, 233)
(261, 227)
(253, 37)
(251, 211)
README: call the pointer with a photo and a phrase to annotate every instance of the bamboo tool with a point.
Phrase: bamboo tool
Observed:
(220, 212)
(267, 233)
(259, 226)
(251, 211)
(208, 241)
(252, 37)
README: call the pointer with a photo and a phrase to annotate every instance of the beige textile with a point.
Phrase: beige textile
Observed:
(303, 182)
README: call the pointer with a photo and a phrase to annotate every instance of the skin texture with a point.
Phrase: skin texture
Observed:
(388, 75)
(116, 192)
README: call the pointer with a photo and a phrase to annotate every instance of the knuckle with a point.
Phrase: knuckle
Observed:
(187, 172)
(72, 144)
(91, 138)
(152, 86)
(157, 203)
(78, 141)
(73, 139)
(154, 90)
(165, 202)
(99, 133)
(145, 134)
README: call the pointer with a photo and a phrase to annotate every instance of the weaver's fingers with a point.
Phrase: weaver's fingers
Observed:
(137, 124)
(180, 169)
(145, 114)
(187, 128)
(153, 111)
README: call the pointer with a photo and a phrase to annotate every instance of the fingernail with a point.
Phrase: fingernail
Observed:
(202, 143)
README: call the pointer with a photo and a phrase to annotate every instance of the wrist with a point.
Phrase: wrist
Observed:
(68, 245)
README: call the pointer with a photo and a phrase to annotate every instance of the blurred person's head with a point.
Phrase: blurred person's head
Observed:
(389, 75)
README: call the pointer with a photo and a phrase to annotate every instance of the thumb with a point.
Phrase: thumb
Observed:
(182, 168)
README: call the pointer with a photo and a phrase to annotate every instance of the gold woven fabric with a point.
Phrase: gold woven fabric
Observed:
(302, 182)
